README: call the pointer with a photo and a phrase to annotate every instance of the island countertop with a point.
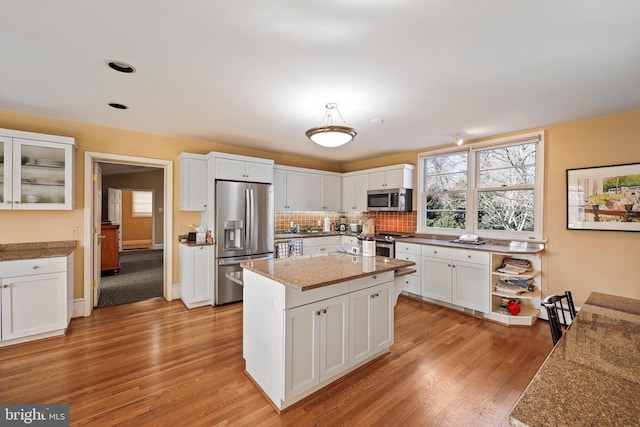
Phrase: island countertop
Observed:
(306, 273)
(592, 376)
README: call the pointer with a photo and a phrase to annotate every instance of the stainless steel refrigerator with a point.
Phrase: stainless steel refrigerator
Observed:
(243, 231)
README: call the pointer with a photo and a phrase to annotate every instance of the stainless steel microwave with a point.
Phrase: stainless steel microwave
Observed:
(390, 200)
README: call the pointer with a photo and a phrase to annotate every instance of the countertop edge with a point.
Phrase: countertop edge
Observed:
(515, 247)
(35, 250)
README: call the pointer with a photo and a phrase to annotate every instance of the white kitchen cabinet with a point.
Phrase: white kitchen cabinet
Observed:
(36, 298)
(397, 176)
(300, 189)
(354, 191)
(242, 168)
(456, 276)
(196, 275)
(412, 283)
(370, 321)
(320, 245)
(317, 343)
(193, 182)
(37, 171)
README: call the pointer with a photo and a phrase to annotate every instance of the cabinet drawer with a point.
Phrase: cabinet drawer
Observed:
(349, 240)
(437, 252)
(320, 241)
(476, 257)
(409, 248)
(368, 281)
(25, 267)
(295, 297)
(411, 257)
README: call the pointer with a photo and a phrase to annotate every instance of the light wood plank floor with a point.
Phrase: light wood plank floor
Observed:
(154, 363)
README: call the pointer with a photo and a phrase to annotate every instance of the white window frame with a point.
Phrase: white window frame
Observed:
(471, 217)
(138, 214)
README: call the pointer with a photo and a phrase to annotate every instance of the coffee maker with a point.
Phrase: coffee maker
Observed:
(342, 225)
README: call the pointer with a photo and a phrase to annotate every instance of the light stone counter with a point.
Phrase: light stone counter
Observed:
(592, 376)
(307, 273)
(489, 246)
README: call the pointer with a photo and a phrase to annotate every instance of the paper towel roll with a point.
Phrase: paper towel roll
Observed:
(327, 224)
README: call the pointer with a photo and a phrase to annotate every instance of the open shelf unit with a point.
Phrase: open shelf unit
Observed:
(529, 301)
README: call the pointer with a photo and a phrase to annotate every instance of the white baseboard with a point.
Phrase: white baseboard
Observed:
(175, 291)
(158, 246)
(78, 307)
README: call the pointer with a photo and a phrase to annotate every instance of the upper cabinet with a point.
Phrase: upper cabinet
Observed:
(299, 189)
(193, 182)
(354, 191)
(241, 168)
(398, 176)
(36, 171)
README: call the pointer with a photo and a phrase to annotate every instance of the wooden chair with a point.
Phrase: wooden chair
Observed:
(555, 304)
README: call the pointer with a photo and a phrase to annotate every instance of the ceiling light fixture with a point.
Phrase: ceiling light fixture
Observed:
(456, 138)
(328, 134)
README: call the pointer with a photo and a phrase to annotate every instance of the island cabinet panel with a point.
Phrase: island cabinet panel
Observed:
(317, 343)
(371, 322)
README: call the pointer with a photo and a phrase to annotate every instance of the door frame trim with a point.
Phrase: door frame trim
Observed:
(94, 157)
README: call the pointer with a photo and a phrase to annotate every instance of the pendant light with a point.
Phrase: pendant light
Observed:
(328, 134)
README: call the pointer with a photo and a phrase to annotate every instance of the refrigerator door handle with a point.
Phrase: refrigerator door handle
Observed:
(252, 215)
(247, 218)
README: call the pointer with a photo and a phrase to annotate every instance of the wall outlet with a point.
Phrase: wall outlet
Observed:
(74, 231)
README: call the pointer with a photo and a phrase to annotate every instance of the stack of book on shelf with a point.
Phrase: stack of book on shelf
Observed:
(514, 266)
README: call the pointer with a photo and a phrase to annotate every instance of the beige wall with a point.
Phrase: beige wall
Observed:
(578, 260)
(152, 180)
(133, 228)
(582, 261)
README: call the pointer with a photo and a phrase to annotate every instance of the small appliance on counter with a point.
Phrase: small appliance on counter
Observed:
(342, 225)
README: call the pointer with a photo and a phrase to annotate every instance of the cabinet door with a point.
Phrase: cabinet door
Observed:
(436, 279)
(361, 188)
(382, 319)
(42, 175)
(394, 178)
(471, 286)
(302, 329)
(6, 202)
(193, 184)
(229, 169)
(332, 193)
(201, 265)
(348, 193)
(377, 181)
(280, 190)
(360, 325)
(33, 304)
(259, 172)
(314, 192)
(334, 336)
(297, 190)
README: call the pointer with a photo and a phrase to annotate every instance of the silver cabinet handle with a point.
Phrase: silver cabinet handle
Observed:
(5, 286)
(324, 310)
(372, 296)
(35, 267)
(318, 313)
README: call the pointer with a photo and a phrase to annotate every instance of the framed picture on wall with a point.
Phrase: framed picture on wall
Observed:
(604, 198)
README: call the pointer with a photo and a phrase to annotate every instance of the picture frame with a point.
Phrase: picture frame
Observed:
(604, 198)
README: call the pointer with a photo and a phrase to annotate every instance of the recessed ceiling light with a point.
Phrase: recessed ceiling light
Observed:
(118, 106)
(377, 121)
(123, 67)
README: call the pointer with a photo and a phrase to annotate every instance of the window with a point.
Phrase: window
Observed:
(141, 203)
(493, 189)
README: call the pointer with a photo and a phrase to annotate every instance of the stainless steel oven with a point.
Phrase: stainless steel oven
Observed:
(386, 248)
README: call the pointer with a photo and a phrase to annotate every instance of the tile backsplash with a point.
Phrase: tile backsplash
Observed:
(402, 222)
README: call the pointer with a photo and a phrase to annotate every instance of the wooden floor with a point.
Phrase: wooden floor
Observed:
(154, 363)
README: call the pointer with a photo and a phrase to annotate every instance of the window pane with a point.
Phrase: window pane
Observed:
(506, 210)
(456, 162)
(142, 202)
(508, 177)
(507, 166)
(453, 181)
(446, 210)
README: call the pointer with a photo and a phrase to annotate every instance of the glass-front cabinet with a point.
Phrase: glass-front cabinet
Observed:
(37, 171)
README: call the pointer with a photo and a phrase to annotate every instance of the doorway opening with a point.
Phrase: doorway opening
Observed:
(105, 176)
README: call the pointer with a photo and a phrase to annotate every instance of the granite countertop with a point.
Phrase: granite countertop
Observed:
(307, 273)
(489, 246)
(288, 236)
(33, 250)
(592, 376)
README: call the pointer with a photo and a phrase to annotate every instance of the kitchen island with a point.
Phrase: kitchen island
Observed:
(307, 321)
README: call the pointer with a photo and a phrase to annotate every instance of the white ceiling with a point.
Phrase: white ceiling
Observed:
(259, 73)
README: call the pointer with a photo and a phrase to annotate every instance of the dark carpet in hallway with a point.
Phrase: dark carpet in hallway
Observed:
(140, 278)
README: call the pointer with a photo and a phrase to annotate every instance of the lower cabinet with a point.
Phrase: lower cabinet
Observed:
(323, 245)
(370, 321)
(457, 276)
(37, 305)
(317, 343)
(196, 275)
